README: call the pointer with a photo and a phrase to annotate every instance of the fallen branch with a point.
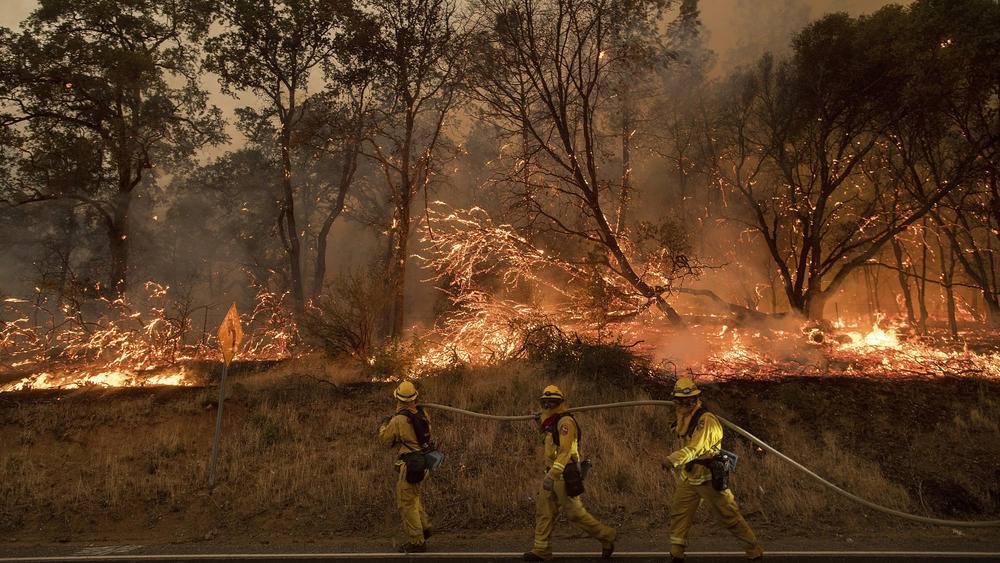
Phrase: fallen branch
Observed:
(741, 313)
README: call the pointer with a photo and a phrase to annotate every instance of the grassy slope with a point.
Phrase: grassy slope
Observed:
(299, 459)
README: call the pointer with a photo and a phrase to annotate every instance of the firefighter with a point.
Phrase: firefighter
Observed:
(701, 436)
(409, 431)
(561, 436)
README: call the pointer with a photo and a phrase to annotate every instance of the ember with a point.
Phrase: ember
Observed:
(127, 348)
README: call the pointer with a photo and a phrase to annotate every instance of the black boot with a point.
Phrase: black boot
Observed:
(532, 556)
(608, 550)
(427, 534)
(413, 548)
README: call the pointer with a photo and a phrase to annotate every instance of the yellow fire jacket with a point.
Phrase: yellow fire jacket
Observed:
(568, 450)
(399, 432)
(704, 443)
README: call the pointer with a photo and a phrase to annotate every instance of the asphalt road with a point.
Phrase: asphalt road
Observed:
(116, 554)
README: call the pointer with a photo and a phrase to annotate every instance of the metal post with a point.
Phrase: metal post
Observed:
(218, 427)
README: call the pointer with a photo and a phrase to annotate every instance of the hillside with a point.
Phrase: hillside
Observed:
(299, 460)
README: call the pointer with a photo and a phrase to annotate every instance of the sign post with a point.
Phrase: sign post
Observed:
(230, 335)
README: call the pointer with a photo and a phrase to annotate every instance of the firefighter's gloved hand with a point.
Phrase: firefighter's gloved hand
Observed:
(547, 483)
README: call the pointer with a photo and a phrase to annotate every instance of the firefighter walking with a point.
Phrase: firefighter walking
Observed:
(409, 431)
(701, 436)
(563, 482)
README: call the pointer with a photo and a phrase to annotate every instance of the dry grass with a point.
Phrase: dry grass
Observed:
(299, 458)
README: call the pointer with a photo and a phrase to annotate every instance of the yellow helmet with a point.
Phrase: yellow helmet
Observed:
(552, 392)
(685, 387)
(405, 392)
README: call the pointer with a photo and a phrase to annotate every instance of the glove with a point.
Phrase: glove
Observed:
(547, 484)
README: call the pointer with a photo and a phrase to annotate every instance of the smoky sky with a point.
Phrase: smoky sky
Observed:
(739, 31)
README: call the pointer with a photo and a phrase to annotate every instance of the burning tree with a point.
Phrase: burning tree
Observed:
(958, 144)
(810, 146)
(543, 76)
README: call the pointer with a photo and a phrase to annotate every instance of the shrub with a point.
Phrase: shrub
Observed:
(344, 319)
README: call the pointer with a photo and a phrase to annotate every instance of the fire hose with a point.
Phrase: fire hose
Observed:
(755, 440)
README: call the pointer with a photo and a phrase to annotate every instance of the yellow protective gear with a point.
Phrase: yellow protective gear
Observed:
(547, 507)
(549, 503)
(568, 450)
(687, 497)
(695, 485)
(685, 387)
(398, 433)
(415, 518)
(705, 441)
(405, 392)
(552, 392)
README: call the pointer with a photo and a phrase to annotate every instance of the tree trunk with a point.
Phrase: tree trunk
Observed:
(904, 281)
(626, 185)
(346, 177)
(952, 319)
(66, 257)
(947, 261)
(118, 240)
(294, 250)
(814, 305)
(397, 267)
(922, 281)
(992, 310)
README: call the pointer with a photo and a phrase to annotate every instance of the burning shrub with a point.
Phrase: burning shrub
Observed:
(18, 340)
(122, 342)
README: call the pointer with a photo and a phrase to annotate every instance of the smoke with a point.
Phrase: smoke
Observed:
(202, 229)
(740, 31)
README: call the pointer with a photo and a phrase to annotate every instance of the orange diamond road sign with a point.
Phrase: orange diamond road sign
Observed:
(230, 334)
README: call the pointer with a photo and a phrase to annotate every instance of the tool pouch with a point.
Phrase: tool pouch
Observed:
(573, 477)
(416, 466)
(720, 466)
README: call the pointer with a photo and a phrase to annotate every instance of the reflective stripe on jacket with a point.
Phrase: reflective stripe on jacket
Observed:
(704, 443)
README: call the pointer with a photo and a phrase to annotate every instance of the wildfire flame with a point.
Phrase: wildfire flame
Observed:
(129, 345)
(109, 378)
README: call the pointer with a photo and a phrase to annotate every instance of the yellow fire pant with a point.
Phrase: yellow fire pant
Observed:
(415, 518)
(547, 507)
(684, 504)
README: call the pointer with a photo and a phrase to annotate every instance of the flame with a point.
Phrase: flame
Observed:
(100, 378)
(129, 345)
(881, 339)
(876, 337)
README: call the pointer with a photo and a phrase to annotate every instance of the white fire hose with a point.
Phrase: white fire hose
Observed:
(755, 440)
